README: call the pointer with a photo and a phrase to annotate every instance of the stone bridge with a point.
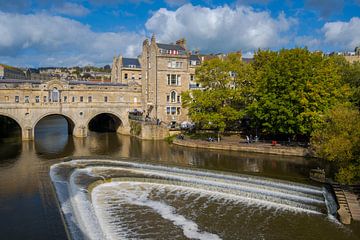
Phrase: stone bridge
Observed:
(29, 101)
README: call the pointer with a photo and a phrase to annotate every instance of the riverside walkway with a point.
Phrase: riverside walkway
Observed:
(234, 143)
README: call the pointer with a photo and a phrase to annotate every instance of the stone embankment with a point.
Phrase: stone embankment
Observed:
(348, 198)
(245, 147)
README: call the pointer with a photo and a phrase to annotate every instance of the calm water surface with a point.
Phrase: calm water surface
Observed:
(28, 207)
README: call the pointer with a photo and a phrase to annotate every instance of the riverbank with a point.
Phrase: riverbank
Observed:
(232, 143)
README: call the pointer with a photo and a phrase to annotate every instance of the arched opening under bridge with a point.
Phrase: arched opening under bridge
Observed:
(105, 122)
(54, 124)
(9, 127)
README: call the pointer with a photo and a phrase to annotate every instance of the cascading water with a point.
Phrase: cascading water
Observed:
(126, 200)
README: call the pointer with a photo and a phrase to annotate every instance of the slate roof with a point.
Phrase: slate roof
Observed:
(126, 62)
(194, 58)
(170, 46)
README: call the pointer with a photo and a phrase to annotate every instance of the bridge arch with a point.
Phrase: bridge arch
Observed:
(71, 123)
(12, 119)
(105, 122)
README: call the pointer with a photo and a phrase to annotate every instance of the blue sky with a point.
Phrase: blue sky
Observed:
(76, 32)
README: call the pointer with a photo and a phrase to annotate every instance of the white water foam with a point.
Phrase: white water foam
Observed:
(134, 193)
(255, 194)
(81, 211)
(241, 178)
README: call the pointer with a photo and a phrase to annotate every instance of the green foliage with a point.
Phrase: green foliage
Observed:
(226, 88)
(135, 128)
(338, 140)
(170, 139)
(351, 75)
(293, 88)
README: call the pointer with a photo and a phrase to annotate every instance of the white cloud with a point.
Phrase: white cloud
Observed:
(54, 40)
(71, 9)
(221, 28)
(345, 35)
(307, 41)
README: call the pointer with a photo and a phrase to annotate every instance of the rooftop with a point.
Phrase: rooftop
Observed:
(131, 62)
(170, 46)
(73, 82)
(194, 57)
(10, 67)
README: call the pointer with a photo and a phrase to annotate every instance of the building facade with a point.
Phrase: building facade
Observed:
(164, 71)
(126, 71)
(8, 72)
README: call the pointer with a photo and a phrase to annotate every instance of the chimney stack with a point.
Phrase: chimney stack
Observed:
(181, 43)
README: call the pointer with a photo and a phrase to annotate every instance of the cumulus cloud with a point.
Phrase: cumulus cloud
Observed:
(61, 41)
(345, 34)
(325, 7)
(307, 41)
(71, 9)
(222, 28)
(24, 6)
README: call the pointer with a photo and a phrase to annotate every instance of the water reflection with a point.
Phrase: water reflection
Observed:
(104, 143)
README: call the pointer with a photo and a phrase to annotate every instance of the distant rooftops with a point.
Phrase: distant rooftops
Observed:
(194, 57)
(73, 82)
(10, 67)
(131, 63)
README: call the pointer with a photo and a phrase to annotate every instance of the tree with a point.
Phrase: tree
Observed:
(222, 101)
(338, 140)
(351, 74)
(293, 89)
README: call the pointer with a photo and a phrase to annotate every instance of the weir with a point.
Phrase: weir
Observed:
(103, 199)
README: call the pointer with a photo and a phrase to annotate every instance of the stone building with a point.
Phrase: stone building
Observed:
(167, 70)
(34, 74)
(126, 70)
(8, 72)
(164, 71)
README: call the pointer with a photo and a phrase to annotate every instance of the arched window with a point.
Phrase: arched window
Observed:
(55, 95)
(173, 96)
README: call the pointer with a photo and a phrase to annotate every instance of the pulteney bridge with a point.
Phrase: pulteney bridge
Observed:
(79, 102)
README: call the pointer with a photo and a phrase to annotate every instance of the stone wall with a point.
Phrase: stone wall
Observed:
(278, 150)
(145, 131)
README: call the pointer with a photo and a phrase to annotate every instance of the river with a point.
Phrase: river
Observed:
(29, 209)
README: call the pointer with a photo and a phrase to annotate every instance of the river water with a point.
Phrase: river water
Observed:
(194, 194)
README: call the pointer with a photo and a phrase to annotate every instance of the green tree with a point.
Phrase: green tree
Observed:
(338, 140)
(351, 75)
(293, 89)
(221, 102)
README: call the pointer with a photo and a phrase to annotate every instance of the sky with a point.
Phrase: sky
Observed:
(40, 33)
